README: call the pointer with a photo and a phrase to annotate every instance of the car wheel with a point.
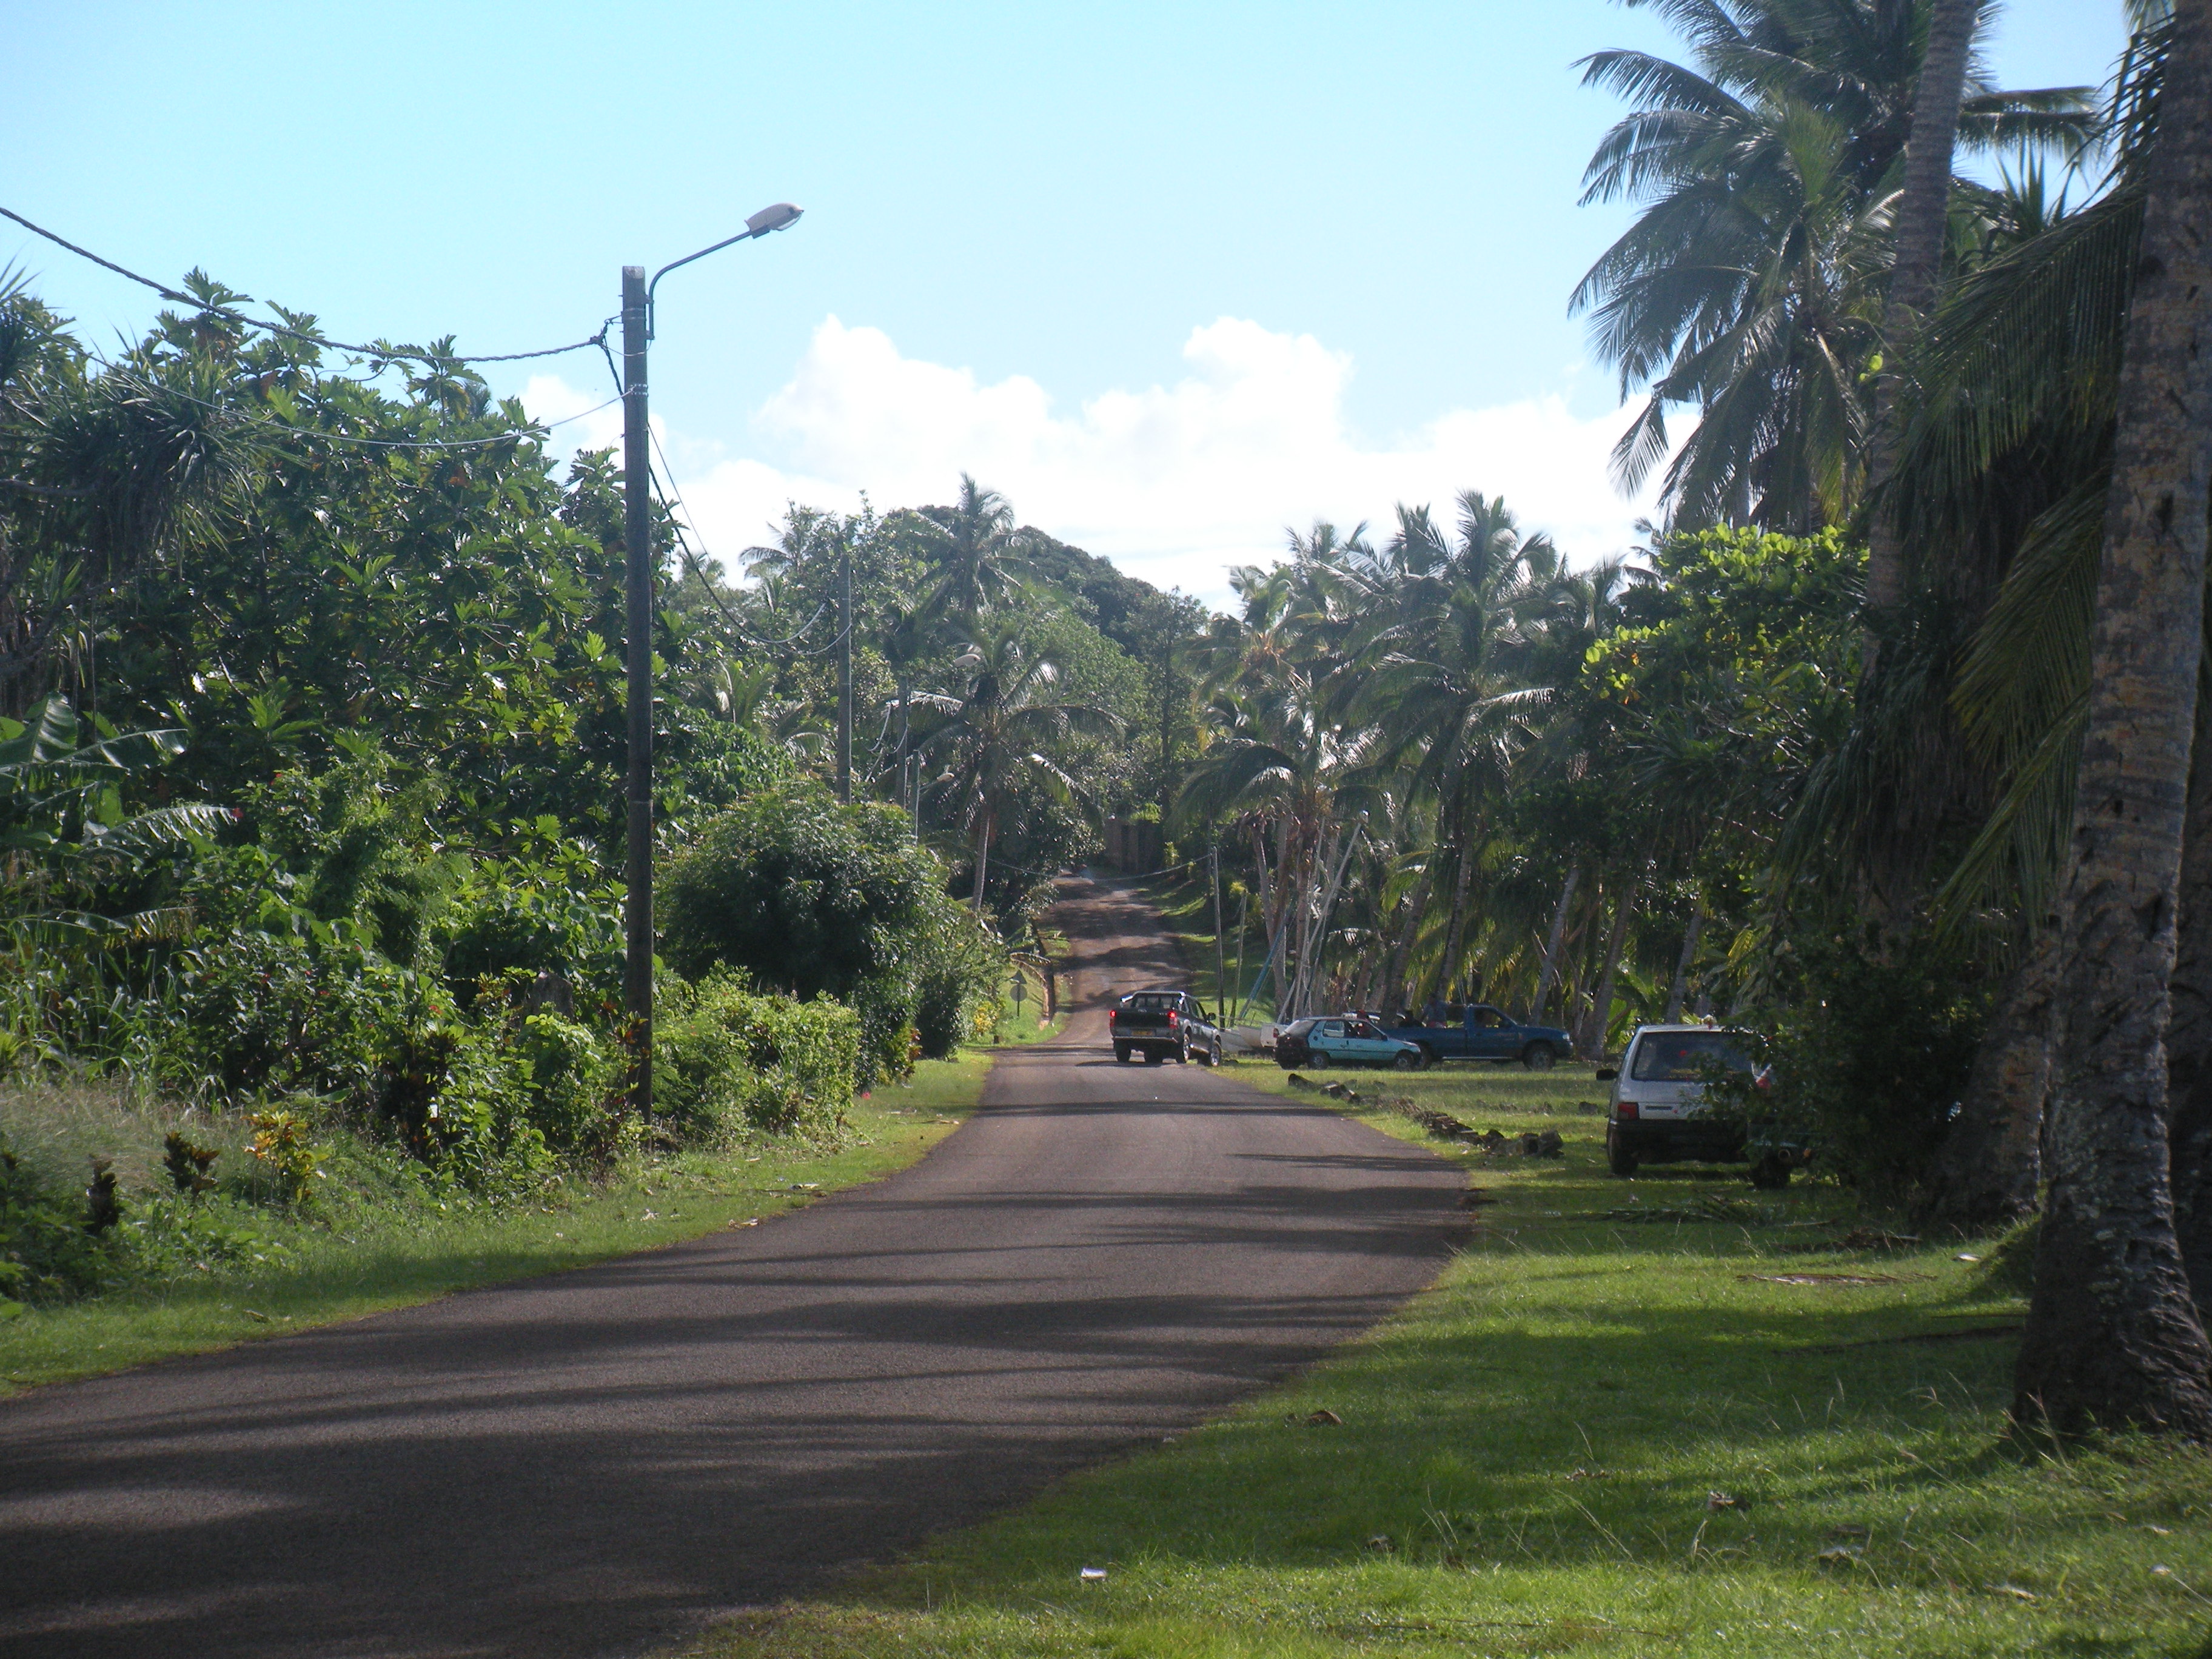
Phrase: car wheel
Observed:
(1121, 1053)
(1538, 1056)
(1771, 1172)
(1182, 1055)
(1213, 1054)
(1318, 1059)
(1619, 1158)
(1406, 1062)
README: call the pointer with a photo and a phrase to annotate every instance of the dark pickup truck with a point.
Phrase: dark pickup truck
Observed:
(1478, 1032)
(1164, 1025)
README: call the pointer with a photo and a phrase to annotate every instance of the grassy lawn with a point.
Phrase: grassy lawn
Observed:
(314, 1275)
(1185, 904)
(1668, 1416)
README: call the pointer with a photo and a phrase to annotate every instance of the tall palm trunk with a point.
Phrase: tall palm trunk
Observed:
(1918, 227)
(1551, 971)
(983, 854)
(1990, 1164)
(2113, 1335)
(1448, 962)
(1601, 1013)
(2188, 1033)
(1394, 976)
(1681, 985)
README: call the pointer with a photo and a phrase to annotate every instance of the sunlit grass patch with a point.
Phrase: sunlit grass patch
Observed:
(1600, 1433)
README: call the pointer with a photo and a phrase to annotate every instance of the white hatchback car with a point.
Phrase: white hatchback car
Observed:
(1657, 1113)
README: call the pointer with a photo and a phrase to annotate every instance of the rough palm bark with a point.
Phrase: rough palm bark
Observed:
(1989, 1169)
(1455, 932)
(2112, 1333)
(1918, 224)
(1549, 975)
(1600, 1010)
(2188, 1033)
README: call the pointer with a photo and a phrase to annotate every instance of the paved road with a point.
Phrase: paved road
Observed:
(600, 1461)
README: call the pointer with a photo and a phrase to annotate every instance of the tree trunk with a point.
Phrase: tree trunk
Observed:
(1681, 985)
(982, 856)
(1601, 1013)
(2113, 1335)
(1918, 226)
(2189, 1034)
(1394, 976)
(1987, 1170)
(1448, 962)
(1551, 971)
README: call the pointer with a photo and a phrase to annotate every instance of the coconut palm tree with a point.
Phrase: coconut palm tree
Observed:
(1750, 286)
(977, 551)
(1001, 733)
(2113, 1335)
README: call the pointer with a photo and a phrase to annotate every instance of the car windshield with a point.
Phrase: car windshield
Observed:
(1684, 1056)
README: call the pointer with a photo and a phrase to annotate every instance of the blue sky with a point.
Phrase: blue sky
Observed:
(1173, 277)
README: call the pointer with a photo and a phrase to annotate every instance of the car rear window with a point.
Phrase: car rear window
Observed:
(1150, 1002)
(1684, 1056)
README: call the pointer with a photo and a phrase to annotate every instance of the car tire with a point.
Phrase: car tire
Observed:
(1538, 1056)
(1771, 1173)
(1121, 1053)
(1620, 1158)
(1182, 1053)
(1213, 1054)
(1405, 1063)
(1318, 1060)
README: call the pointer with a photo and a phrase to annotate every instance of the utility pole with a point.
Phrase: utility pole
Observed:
(638, 620)
(845, 674)
(1220, 952)
(637, 484)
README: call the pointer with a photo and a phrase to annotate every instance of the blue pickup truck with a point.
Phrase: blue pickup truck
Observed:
(1478, 1032)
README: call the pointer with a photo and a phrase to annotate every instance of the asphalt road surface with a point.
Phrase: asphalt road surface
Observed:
(601, 1462)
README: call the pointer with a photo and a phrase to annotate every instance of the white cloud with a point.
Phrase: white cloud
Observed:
(1174, 484)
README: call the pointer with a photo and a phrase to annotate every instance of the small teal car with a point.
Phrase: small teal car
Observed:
(1341, 1039)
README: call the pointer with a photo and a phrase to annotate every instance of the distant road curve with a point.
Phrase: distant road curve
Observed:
(601, 1462)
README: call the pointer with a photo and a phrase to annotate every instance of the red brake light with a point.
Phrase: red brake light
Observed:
(1625, 1109)
(1172, 1017)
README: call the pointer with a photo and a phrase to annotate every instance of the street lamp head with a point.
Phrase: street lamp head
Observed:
(781, 216)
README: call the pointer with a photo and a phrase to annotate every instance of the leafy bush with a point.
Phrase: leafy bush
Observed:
(46, 1254)
(726, 1058)
(572, 1080)
(806, 894)
(1870, 1054)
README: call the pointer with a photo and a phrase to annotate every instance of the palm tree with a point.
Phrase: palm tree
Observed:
(2112, 1333)
(975, 549)
(1001, 733)
(1750, 285)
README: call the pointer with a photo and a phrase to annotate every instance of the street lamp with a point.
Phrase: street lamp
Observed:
(637, 480)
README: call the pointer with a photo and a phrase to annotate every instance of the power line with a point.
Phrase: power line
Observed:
(387, 351)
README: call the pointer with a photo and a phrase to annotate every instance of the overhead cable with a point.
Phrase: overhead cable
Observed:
(387, 351)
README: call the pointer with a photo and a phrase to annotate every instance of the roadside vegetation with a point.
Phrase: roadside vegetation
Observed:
(1663, 1416)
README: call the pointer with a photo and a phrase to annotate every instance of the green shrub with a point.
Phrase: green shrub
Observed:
(1870, 1053)
(572, 1079)
(46, 1253)
(727, 1058)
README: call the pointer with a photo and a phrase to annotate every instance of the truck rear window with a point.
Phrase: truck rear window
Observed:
(1684, 1056)
(1152, 1004)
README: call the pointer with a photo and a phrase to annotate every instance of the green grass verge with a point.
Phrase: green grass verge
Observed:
(314, 1275)
(1670, 1416)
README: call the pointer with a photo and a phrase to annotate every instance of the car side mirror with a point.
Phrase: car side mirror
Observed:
(1607, 1074)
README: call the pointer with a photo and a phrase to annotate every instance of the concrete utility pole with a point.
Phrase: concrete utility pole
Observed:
(638, 620)
(1220, 952)
(845, 676)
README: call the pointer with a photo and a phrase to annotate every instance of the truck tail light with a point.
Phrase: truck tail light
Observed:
(1173, 1018)
(1625, 1110)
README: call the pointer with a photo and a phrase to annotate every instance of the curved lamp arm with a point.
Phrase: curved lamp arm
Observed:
(781, 216)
